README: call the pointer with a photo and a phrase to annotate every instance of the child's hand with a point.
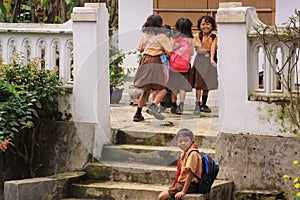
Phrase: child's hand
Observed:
(176, 46)
(179, 195)
(213, 63)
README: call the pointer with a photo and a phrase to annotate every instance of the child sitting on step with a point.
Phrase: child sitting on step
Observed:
(185, 181)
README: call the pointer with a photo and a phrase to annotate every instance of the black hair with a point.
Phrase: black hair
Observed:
(183, 28)
(185, 133)
(153, 24)
(167, 27)
(207, 19)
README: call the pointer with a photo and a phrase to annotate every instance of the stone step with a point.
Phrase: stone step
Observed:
(159, 138)
(131, 172)
(259, 195)
(156, 155)
(221, 190)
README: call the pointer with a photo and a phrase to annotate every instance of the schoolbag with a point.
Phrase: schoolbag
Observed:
(181, 57)
(213, 36)
(210, 170)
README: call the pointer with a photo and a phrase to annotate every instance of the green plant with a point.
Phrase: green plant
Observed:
(28, 94)
(294, 181)
(118, 73)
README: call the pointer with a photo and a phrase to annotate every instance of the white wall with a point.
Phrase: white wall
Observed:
(132, 15)
(236, 113)
(285, 9)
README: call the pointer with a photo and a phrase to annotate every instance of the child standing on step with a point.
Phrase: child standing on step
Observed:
(180, 66)
(205, 63)
(151, 74)
(189, 164)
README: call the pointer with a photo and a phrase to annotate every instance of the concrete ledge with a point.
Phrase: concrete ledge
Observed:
(51, 187)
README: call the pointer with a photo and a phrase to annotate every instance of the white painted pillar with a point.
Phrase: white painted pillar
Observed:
(132, 15)
(232, 65)
(91, 66)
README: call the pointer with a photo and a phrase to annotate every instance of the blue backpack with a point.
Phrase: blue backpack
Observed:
(210, 170)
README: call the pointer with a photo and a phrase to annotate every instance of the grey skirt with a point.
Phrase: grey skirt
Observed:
(205, 75)
(150, 72)
(179, 81)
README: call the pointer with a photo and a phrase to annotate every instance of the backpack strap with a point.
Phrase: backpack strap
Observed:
(155, 37)
(213, 36)
(201, 159)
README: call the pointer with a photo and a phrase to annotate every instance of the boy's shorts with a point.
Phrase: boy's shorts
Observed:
(179, 186)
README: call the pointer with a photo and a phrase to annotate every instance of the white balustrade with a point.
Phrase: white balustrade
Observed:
(79, 49)
(52, 43)
(245, 105)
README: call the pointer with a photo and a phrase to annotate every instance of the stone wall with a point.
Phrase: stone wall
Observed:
(256, 161)
(60, 149)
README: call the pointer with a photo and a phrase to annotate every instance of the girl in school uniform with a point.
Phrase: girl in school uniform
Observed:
(151, 74)
(180, 62)
(205, 63)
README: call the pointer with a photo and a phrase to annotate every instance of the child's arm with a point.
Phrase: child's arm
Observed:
(213, 49)
(186, 186)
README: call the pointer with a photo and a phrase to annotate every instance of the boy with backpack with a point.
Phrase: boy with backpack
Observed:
(185, 181)
(196, 171)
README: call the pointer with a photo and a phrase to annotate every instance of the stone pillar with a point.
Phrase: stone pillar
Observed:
(91, 78)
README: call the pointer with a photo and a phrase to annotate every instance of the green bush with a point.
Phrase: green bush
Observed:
(28, 93)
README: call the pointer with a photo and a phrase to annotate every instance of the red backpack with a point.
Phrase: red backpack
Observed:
(181, 57)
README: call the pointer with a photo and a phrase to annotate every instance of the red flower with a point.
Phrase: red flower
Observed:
(3, 146)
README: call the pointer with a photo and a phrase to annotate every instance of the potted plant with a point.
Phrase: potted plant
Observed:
(118, 75)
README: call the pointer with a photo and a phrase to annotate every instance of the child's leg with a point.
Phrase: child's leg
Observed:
(142, 100)
(164, 195)
(174, 104)
(160, 96)
(181, 104)
(153, 109)
(197, 102)
(204, 107)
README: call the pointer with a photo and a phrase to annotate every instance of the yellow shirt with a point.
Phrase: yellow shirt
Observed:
(161, 44)
(207, 41)
(193, 162)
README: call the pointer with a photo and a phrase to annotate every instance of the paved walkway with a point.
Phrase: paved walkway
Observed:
(204, 124)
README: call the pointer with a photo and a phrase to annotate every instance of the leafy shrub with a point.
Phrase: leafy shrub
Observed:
(28, 93)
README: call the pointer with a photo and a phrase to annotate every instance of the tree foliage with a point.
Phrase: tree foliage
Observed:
(49, 11)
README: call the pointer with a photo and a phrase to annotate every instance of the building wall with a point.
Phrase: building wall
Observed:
(171, 10)
(132, 15)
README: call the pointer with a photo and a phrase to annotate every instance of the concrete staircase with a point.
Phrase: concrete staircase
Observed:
(138, 166)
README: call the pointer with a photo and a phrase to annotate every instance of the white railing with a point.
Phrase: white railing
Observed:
(266, 80)
(53, 44)
(245, 105)
(79, 50)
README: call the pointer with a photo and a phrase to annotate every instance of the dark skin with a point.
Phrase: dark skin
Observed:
(185, 187)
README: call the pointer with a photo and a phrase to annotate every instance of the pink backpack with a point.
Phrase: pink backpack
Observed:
(181, 57)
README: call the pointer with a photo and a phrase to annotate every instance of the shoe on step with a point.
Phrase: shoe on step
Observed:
(205, 108)
(161, 109)
(180, 109)
(153, 110)
(197, 108)
(138, 117)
